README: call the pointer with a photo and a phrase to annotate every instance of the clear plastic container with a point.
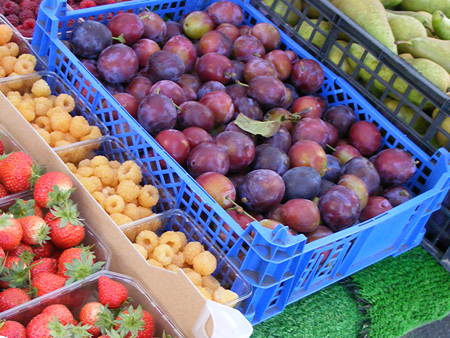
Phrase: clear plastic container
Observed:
(114, 150)
(10, 145)
(76, 295)
(102, 253)
(58, 86)
(24, 46)
(177, 220)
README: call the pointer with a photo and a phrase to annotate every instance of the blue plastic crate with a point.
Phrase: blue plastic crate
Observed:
(281, 268)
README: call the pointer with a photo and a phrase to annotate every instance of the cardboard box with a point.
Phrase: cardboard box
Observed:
(173, 291)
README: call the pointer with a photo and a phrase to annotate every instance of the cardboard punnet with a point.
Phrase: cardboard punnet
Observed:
(173, 291)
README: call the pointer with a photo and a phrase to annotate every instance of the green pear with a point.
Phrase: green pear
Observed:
(311, 12)
(429, 6)
(405, 27)
(284, 11)
(406, 56)
(430, 70)
(336, 54)
(429, 48)
(441, 25)
(424, 17)
(390, 3)
(370, 15)
(441, 139)
(306, 30)
(406, 114)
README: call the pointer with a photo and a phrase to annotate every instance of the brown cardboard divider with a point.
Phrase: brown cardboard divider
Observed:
(174, 292)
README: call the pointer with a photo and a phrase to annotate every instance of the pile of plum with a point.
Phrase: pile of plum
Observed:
(245, 118)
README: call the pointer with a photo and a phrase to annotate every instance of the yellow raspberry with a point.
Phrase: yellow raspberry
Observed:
(91, 183)
(79, 127)
(132, 211)
(41, 89)
(71, 139)
(94, 133)
(44, 134)
(129, 170)
(99, 160)
(114, 204)
(120, 219)
(56, 136)
(148, 196)
(42, 106)
(65, 101)
(128, 190)
(27, 110)
(99, 197)
(85, 171)
(60, 122)
(6, 34)
(105, 173)
(72, 167)
(84, 163)
(13, 49)
(205, 263)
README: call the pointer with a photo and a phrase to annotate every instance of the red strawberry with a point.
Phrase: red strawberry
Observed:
(2, 146)
(52, 188)
(20, 250)
(12, 329)
(135, 322)
(77, 263)
(25, 208)
(2, 255)
(43, 265)
(66, 230)
(46, 282)
(16, 271)
(111, 293)
(49, 217)
(89, 314)
(61, 312)
(10, 232)
(3, 191)
(38, 327)
(35, 230)
(12, 297)
(45, 250)
(17, 172)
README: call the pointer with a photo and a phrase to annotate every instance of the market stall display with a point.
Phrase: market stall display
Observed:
(214, 111)
(309, 267)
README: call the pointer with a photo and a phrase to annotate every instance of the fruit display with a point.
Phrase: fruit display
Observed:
(244, 117)
(121, 188)
(59, 118)
(102, 306)
(41, 238)
(172, 251)
(13, 60)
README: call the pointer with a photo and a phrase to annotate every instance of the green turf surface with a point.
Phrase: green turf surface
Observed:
(331, 312)
(403, 293)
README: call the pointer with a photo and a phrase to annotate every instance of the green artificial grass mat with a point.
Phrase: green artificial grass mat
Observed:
(388, 299)
(404, 293)
(331, 312)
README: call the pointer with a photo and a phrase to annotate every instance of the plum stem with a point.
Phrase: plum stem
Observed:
(241, 83)
(120, 38)
(331, 148)
(240, 209)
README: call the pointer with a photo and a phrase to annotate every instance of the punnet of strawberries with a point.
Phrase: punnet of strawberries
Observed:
(41, 239)
(22, 13)
(110, 315)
